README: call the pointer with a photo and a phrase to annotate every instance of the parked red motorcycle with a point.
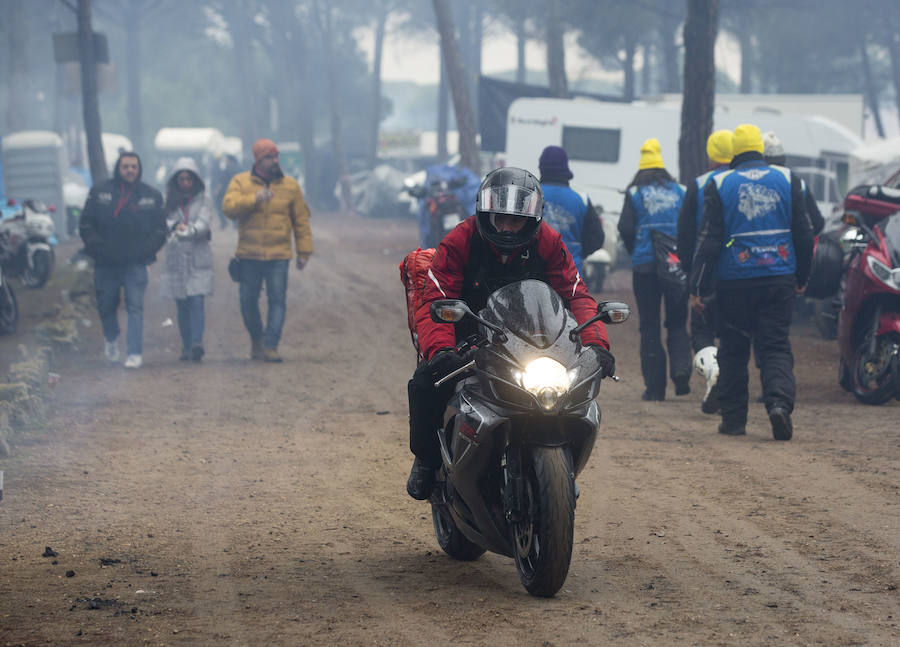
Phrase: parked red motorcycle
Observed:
(869, 320)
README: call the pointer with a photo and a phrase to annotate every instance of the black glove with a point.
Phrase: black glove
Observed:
(444, 362)
(606, 359)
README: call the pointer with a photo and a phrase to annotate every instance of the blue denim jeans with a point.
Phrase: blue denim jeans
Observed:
(109, 280)
(275, 275)
(191, 320)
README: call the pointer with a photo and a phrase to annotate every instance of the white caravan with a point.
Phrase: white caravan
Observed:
(603, 141)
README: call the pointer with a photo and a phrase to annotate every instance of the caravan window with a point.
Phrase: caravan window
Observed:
(591, 144)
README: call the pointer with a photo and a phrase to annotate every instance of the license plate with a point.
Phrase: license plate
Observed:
(450, 221)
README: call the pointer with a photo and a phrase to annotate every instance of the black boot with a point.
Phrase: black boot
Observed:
(782, 428)
(421, 480)
(682, 384)
(731, 429)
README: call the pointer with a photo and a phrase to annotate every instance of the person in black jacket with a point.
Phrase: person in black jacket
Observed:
(754, 250)
(123, 226)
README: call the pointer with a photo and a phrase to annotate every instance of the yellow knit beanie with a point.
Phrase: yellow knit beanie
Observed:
(650, 155)
(747, 138)
(718, 147)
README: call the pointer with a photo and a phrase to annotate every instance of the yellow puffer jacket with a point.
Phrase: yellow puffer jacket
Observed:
(264, 229)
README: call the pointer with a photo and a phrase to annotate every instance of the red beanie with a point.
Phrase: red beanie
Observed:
(263, 147)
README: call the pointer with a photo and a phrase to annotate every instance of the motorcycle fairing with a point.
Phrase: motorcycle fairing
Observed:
(888, 322)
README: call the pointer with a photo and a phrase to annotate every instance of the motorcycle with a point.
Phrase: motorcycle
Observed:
(30, 240)
(9, 309)
(517, 431)
(443, 209)
(869, 319)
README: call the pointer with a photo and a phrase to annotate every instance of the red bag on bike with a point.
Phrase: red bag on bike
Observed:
(413, 273)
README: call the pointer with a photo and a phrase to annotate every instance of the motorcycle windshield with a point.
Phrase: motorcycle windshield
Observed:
(530, 310)
(890, 227)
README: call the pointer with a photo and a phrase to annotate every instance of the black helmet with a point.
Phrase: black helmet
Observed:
(510, 191)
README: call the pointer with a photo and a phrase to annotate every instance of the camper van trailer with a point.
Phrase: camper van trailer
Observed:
(603, 141)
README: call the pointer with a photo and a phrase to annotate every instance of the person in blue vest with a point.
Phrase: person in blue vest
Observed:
(703, 335)
(652, 202)
(754, 251)
(564, 210)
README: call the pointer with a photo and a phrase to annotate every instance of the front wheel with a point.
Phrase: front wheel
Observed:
(42, 265)
(9, 309)
(872, 373)
(542, 538)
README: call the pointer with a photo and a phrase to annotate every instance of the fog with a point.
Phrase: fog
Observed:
(253, 68)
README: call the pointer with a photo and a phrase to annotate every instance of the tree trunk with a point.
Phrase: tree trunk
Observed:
(520, 48)
(133, 74)
(239, 28)
(443, 112)
(630, 47)
(646, 76)
(323, 16)
(89, 101)
(556, 53)
(670, 52)
(18, 91)
(871, 92)
(892, 40)
(375, 124)
(459, 89)
(475, 73)
(698, 102)
(745, 39)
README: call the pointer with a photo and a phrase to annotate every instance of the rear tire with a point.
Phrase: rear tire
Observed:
(450, 538)
(542, 540)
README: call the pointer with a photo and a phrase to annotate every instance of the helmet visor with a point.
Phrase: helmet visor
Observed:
(511, 199)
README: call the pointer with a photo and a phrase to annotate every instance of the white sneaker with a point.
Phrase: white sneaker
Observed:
(133, 361)
(112, 350)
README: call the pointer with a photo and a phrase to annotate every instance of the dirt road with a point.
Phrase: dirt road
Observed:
(252, 504)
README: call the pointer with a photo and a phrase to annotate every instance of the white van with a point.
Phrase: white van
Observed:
(204, 145)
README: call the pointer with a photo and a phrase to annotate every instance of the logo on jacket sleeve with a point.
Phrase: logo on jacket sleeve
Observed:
(756, 200)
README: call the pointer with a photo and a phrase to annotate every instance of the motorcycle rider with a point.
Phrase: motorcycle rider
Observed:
(565, 211)
(505, 241)
(754, 250)
(703, 336)
(652, 203)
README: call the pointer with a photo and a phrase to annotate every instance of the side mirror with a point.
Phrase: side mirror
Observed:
(611, 312)
(449, 311)
(453, 310)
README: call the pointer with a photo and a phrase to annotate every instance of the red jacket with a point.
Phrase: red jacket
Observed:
(447, 272)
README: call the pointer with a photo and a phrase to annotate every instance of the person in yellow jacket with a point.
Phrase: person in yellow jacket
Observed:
(267, 206)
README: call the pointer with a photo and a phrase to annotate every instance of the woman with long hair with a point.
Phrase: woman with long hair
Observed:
(187, 274)
(652, 202)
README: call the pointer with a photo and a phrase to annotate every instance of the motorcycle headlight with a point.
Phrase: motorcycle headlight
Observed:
(546, 379)
(890, 277)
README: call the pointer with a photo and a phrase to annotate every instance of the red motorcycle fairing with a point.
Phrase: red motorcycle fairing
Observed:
(888, 322)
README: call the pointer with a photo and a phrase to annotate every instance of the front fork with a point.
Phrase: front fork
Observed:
(515, 500)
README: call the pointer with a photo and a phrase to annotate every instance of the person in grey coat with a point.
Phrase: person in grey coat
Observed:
(187, 274)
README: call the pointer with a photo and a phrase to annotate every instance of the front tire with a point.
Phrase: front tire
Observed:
(450, 538)
(37, 276)
(9, 309)
(873, 376)
(542, 539)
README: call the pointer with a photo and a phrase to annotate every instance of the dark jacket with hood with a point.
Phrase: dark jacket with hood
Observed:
(123, 224)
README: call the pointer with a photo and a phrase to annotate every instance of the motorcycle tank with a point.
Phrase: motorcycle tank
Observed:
(530, 310)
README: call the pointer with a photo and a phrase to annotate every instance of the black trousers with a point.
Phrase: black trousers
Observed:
(703, 329)
(761, 316)
(426, 413)
(649, 296)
